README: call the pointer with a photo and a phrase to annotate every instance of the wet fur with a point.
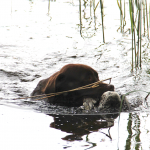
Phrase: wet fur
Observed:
(69, 77)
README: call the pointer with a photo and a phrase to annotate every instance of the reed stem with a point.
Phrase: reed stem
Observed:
(80, 18)
(121, 16)
(147, 19)
(124, 16)
(140, 36)
(144, 17)
(102, 16)
(94, 13)
(48, 6)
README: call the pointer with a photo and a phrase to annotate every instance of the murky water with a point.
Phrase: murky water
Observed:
(34, 45)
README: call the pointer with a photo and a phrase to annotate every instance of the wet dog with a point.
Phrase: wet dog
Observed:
(69, 77)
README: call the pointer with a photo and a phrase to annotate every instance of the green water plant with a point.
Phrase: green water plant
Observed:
(139, 23)
(139, 15)
(92, 19)
(80, 17)
(49, 6)
(144, 101)
(102, 17)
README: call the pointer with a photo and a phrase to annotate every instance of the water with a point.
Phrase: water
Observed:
(34, 45)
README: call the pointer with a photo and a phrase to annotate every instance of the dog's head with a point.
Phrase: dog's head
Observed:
(70, 77)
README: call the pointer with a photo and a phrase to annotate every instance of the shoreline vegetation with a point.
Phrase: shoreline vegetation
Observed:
(138, 12)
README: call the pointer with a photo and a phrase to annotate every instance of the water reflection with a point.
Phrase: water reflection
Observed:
(133, 128)
(54, 43)
(129, 125)
(80, 125)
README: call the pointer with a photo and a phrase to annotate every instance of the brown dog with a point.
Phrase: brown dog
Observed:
(69, 77)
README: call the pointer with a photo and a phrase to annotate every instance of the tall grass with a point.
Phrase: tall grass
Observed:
(139, 23)
(93, 8)
(102, 17)
(49, 6)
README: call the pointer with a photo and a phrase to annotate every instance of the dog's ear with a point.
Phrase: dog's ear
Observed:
(60, 81)
(60, 77)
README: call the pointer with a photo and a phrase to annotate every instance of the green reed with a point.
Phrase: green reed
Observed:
(122, 15)
(102, 17)
(145, 103)
(80, 17)
(139, 23)
(93, 7)
(139, 15)
(49, 6)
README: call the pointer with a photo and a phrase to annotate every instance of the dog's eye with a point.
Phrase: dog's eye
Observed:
(89, 78)
(96, 75)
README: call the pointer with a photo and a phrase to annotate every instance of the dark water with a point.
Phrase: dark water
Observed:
(34, 45)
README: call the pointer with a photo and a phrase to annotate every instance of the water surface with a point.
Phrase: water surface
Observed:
(35, 44)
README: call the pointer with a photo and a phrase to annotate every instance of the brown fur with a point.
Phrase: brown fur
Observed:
(69, 77)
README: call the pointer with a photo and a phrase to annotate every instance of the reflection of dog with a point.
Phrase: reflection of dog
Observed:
(79, 125)
(69, 77)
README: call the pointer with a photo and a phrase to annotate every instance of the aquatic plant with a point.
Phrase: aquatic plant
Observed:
(102, 16)
(80, 17)
(138, 17)
(91, 18)
(49, 6)
(137, 10)
(139, 23)
(145, 104)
